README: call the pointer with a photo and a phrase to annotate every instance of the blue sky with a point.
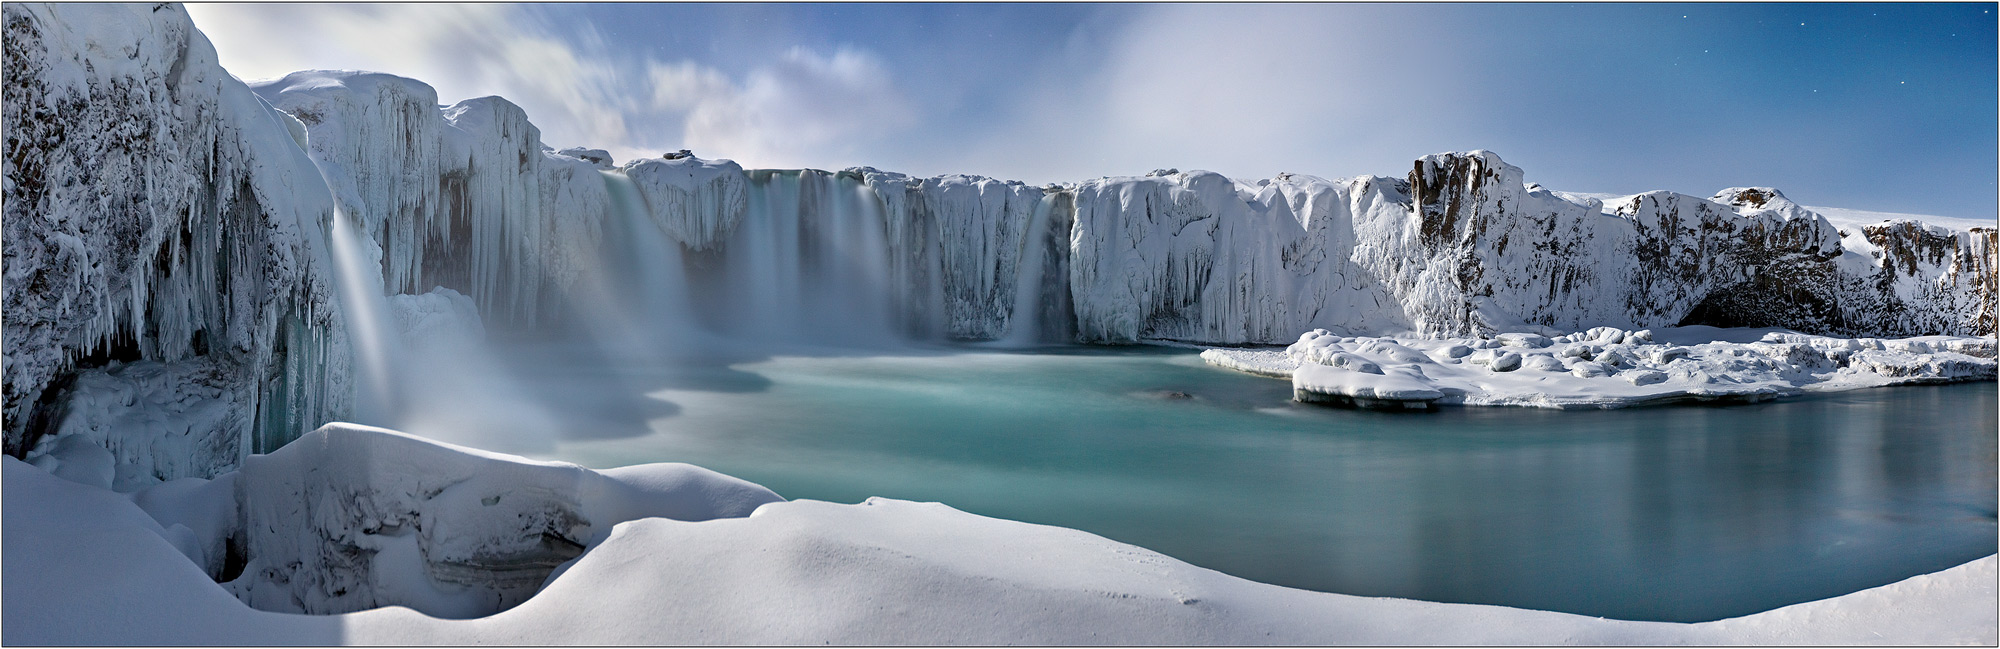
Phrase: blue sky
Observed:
(1887, 107)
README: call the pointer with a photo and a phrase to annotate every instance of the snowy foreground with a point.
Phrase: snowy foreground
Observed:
(350, 517)
(1604, 367)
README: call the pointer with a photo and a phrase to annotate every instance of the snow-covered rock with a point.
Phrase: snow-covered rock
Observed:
(596, 157)
(350, 518)
(157, 421)
(1399, 373)
(157, 210)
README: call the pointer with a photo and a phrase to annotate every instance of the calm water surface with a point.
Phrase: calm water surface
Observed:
(1676, 513)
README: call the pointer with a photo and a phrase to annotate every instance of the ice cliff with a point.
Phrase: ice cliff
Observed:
(164, 240)
(164, 219)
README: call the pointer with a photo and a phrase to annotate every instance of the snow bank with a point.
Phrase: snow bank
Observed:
(1604, 367)
(350, 518)
(395, 519)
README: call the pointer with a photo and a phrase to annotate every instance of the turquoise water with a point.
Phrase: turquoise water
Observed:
(1675, 513)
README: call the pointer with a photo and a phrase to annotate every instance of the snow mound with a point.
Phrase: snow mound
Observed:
(1604, 367)
(349, 518)
(599, 157)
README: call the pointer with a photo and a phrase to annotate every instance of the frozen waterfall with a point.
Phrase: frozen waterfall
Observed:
(808, 264)
(1024, 325)
(648, 307)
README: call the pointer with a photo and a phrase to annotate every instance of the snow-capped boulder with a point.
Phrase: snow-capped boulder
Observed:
(596, 157)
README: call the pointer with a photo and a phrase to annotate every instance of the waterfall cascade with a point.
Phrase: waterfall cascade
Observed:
(1024, 326)
(648, 305)
(370, 329)
(810, 263)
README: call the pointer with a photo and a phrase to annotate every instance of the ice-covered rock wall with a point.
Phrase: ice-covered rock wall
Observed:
(1196, 256)
(158, 213)
(1460, 245)
(1463, 246)
(158, 210)
(956, 242)
(464, 197)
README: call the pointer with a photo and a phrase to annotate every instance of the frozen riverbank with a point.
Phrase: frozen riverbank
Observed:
(89, 566)
(1604, 367)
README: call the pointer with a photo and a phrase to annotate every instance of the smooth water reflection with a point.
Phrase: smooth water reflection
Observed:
(1681, 513)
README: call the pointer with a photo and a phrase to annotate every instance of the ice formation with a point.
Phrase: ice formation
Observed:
(158, 211)
(1604, 367)
(348, 516)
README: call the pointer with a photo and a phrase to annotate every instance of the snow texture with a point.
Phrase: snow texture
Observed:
(1604, 367)
(377, 516)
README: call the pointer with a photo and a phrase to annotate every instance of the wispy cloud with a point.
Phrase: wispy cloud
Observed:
(462, 50)
(804, 109)
(1244, 90)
